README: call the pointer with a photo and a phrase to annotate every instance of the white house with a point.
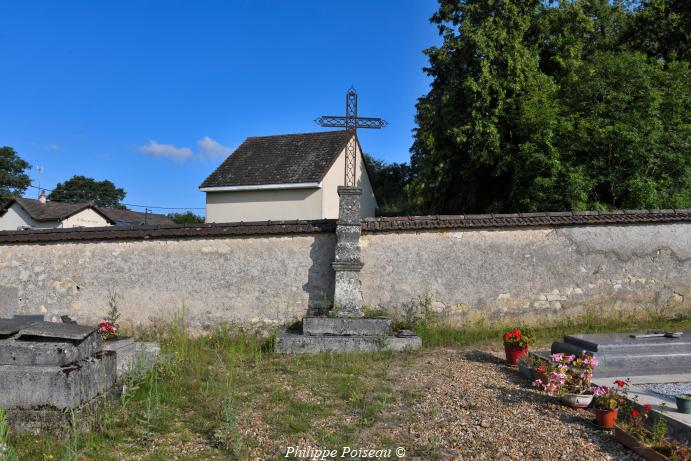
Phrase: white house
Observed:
(24, 213)
(285, 177)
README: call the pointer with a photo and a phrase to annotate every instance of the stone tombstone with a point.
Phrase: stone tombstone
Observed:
(347, 262)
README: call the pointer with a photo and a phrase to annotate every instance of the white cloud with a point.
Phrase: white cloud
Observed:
(211, 149)
(208, 149)
(51, 146)
(158, 150)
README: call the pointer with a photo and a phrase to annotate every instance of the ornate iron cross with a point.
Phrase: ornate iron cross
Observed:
(351, 122)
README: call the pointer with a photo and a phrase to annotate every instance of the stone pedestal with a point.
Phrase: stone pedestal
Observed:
(347, 262)
(346, 329)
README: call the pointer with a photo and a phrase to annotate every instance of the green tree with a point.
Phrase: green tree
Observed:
(538, 107)
(83, 189)
(13, 177)
(661, 29)
(389, 182)
(186, 218)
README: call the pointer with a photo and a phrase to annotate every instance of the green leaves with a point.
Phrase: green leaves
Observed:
(13, 177)
(538, 107)
(83, 189)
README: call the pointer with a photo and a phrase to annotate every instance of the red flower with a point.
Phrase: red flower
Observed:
(647, 408)
(106, 327)
(620, 383)
(542, 368)
(635, 413)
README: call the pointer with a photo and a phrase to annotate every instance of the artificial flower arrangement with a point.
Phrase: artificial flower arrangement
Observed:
(107, 330)
(568, 376)
(516, 344)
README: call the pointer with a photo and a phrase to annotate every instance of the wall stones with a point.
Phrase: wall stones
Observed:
(528, 273)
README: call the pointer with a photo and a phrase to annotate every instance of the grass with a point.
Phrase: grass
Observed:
(226, 395)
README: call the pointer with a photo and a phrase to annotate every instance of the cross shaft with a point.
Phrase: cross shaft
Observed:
(351, 122)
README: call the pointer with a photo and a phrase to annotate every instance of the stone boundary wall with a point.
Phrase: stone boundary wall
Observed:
(524, 266)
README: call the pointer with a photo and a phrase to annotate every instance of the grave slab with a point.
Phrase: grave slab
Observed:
(620, 354)
(372, 326)
(68, 331)
(47, 351)
(294, 343)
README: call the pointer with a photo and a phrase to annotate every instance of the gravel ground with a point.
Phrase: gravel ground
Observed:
(472, 407)
(665, 390)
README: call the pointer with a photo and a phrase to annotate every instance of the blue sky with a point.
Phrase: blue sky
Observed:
(154, 95)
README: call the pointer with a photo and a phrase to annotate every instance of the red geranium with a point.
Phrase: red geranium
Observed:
(648, 408)
(620, 383)
(516, 337)
(635, 413)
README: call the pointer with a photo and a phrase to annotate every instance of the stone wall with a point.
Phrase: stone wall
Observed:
(270, 273)
(530, 273)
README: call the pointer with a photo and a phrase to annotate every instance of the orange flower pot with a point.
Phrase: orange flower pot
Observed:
(606, 418)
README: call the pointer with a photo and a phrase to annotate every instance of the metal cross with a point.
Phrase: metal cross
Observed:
(351, 122)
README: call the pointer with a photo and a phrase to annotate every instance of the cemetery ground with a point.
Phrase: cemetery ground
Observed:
(227, 395)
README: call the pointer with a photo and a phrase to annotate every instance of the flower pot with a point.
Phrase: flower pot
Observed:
(577, 400)
(606, 418)
(643, 450)
(684, 404)
(527, 372)
(513, 353)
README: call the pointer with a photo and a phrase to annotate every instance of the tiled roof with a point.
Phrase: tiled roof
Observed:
(566, 218)
(281, 159)
(49, 211)
(134, 217)
(397, 224)
(57, 211)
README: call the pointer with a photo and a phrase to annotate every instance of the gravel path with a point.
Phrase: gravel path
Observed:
(472, 407)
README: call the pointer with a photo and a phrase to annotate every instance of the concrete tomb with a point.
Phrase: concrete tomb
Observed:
(48, 369)
(620, 354)
(132, 356)
(346, 329)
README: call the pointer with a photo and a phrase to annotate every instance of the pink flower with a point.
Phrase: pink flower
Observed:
(600, 390)
(594, 362)
(556, 357)
(537, 382)
(570, 358)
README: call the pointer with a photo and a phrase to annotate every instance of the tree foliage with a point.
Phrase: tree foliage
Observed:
(537, 106)
(13, 177)
(83, 189)
(389, 182)
(187, 217)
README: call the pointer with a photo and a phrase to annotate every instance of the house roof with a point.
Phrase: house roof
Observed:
(49, 211)
(58, 211)
(281, 159)
(134, 217)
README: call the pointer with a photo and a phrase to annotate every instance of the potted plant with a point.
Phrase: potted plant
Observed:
(683, 403)
(569, 377)
(607, 402)
(516, 344)
(651, 443)
(526, 365)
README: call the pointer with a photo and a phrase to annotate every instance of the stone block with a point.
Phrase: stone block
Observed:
(349, 205)
(58, 387)
(315, 326)
(18, 350)
(131, 355)
(292, 343)
(347, 293)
